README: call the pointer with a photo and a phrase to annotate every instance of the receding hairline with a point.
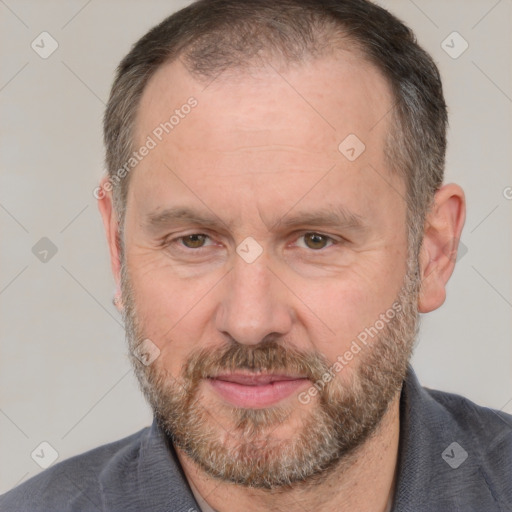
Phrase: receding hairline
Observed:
(274, 64)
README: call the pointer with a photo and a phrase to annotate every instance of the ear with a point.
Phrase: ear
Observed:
(438, 253)
(111, 225)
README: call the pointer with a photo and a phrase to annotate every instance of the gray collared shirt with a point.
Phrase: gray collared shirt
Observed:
(453, 456)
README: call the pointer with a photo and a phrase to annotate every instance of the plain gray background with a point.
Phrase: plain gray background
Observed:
(64, 373)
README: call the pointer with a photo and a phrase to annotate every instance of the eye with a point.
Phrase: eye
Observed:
(194, 241)
(316, 241)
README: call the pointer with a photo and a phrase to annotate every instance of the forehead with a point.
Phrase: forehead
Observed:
(339, 92)
(274, 126)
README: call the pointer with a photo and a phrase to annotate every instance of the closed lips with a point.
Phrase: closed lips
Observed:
(255, 379)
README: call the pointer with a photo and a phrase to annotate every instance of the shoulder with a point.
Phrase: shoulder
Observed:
(72, 484)
(484, 433)
(454, 454)
(449, 414)
(482, 424)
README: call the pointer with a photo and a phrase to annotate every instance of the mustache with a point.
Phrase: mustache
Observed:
(268, 356)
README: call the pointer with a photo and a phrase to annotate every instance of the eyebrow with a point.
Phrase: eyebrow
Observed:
(180, 215)
(337, 217)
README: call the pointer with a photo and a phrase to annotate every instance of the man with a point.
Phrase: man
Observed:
(276, 218)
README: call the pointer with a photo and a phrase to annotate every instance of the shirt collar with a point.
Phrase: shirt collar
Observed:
(149, 479)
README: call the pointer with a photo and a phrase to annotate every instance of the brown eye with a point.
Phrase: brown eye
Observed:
(316, 241)
(195, 241)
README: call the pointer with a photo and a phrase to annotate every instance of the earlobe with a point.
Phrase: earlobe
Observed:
(441, 237)
(111, 226)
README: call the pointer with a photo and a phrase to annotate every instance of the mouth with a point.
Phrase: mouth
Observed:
(255, 390)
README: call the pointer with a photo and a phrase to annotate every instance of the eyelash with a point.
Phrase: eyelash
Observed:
(332, 241)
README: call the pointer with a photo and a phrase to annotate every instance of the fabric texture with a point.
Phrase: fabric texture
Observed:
(453, 456)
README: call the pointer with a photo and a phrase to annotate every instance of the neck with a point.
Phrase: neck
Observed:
(366, 482)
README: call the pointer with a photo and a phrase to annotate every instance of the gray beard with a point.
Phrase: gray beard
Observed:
(346, 413)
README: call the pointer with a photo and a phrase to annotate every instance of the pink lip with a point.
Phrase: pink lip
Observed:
(255, 390)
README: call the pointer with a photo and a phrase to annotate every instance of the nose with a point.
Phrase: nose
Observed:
(254, 304)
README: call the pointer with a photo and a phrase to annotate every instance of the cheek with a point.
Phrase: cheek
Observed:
(172, 312)
(344, 307)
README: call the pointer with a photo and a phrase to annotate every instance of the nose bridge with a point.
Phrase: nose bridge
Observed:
(253, 305)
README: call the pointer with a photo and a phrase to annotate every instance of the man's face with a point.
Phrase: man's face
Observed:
(256, 253)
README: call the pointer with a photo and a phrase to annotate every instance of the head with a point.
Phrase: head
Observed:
(286, 217)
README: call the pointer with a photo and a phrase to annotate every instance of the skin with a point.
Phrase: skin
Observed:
(259, 148)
